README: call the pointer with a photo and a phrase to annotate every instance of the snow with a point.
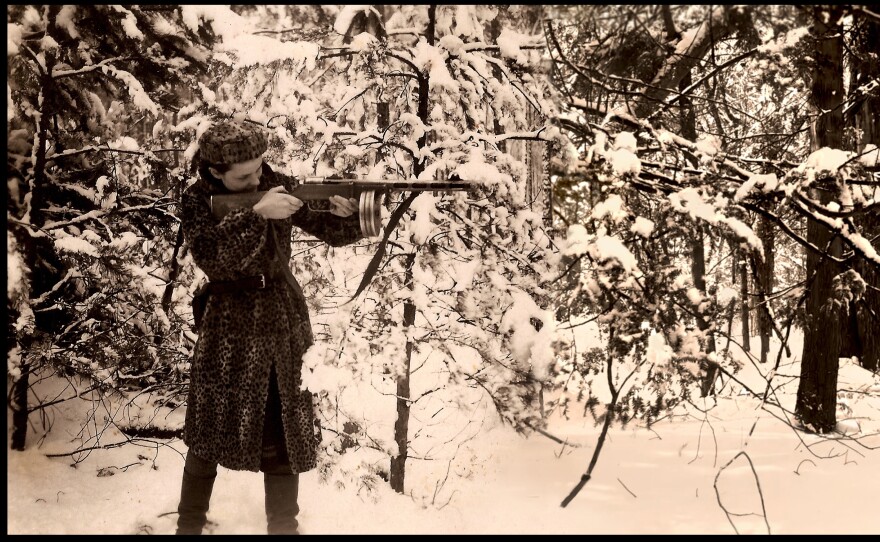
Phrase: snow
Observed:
(433, 59)
(624, 161)
(870, 155)
(424, 206)
(612, 248)
(251, 49)
(48, 43)
(625, 140)
(136, 91)
(510, 45)
(613, 208)
(75, 245)
(464, 274)
(790, 39)
(64, 20)
(528, 344)
(13, 39)
(767, 183)
(453, 44)
(708, 145)
(577, 241)
(864, 245)
(694, 296)
(362, 42)
(16, 269)
(643, 227)
(129, 23)
(661, 480)
(727, 294)
(346, 16)
(744, 231)
(826, 159)
(689, 200)
(225, 23)
(659, 353)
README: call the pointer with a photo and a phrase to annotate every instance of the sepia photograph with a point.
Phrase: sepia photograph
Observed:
(443, 269)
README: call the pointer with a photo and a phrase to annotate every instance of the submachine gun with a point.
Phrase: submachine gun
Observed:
(316, 192)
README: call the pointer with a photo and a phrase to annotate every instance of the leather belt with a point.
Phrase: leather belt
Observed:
(257, 282)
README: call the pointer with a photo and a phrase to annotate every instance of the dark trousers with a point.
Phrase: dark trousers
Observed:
(280, 482)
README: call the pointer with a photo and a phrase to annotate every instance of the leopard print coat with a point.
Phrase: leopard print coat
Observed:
(243, 334)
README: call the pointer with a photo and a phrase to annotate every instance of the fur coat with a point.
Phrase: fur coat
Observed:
(245, 333)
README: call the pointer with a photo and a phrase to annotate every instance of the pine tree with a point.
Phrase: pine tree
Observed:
(90, 186)
(748, 162)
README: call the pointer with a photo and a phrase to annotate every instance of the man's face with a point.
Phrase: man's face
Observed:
(242, 176)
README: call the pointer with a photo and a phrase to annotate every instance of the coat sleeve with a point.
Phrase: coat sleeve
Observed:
(334, 230)
(228, 249)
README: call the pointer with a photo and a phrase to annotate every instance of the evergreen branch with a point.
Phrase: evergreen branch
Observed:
(59, 74)
(95, 148)
(873, 206)
(790, 232)
(98, 213)
(844, 231)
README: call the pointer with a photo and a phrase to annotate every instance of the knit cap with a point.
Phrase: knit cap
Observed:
(232, 142)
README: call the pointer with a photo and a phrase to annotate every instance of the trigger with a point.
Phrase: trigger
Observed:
(319, 205)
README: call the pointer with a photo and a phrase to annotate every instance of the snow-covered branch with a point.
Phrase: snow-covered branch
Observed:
(59, 74)
(96, 148)
(98, 213)
(855, 240)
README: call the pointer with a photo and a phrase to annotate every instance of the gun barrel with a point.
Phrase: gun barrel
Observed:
(404, 186)
(394, 185)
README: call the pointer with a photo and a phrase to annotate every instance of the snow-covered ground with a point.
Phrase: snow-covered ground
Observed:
(676, 477)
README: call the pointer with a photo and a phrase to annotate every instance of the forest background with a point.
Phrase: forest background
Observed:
(674, 205)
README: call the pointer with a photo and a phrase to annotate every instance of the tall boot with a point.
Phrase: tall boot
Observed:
(281, 503)
(195, 494)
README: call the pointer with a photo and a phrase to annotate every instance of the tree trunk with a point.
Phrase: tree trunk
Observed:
(21, 383)
(744, 305)
(19, 408)
(401, 425)
(817, 392)
(765, 285)
(698, 270)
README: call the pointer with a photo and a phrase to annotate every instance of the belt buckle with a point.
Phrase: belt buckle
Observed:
(262, 282)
